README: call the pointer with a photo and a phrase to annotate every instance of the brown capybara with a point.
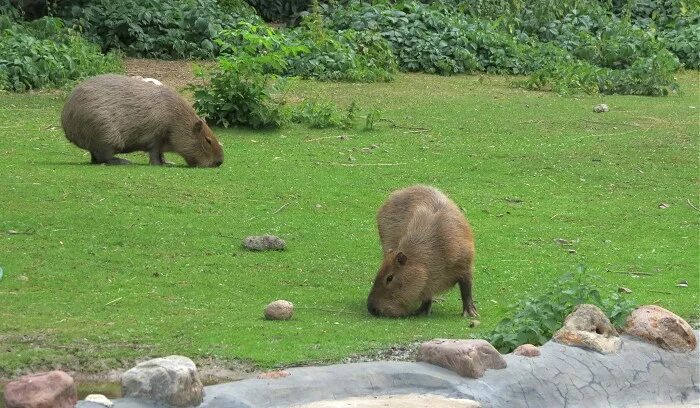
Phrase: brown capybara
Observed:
(110, 114)
(428, 247)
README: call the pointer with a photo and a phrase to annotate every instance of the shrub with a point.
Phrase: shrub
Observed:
(155, 28)
(280, 10)
(244, 88)
(536, 319)
(43, 53)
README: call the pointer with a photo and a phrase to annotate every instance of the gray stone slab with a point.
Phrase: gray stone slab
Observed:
(562, 376)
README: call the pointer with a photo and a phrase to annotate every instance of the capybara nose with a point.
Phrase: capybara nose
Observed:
(218, 163)
(372, 310)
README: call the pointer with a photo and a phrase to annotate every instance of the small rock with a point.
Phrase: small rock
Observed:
(264, 243)
(683, 282)
(571, 251)
(54, 389)
(273, 375)
(318, 206)
(600, 108)
(474, 323)
(171, 380)
(343, 137)
(562, 241)
(468, 358)
(664, 206)
(588, 327)
(623, 289)
(527, 350)
(682, 285)
(279, 310)
(661, 327)
(99, 399)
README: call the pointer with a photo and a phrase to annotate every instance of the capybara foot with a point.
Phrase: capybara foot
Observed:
(114, 161)
(470, 310)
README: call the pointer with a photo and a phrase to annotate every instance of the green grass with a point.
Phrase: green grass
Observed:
(135, 261)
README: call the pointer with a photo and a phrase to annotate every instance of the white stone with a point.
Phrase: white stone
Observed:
(99, 399)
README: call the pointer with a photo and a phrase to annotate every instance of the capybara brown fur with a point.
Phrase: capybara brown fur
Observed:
(428, 248)
(110, 114)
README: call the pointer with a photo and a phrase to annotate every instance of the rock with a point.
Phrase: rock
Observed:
(661, 327)
(527, 350)
(474, 323)
(588, 327)
(622, 289)
(99, 399)
(279, 310)
(264, 243)
(600, 108)
(171, 380)
(271, 375)
(468, 358)
(54, 389)
(682, 285)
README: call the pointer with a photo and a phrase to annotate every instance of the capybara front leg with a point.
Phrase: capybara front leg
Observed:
(465, 288)
(156, 157)
(424, 308)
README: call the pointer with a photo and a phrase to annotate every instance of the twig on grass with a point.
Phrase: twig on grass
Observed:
(361, 164)
(322, 138)
(113, 301)
(691, 204)
(280, 209)
(396, 125)
(635, 273)
(660, 291)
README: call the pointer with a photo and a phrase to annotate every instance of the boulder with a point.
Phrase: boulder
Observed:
(99, 399)
(264, 243)
(54, 389)
(601, 108)
(661, 327)
(171, 380)
(468, 358)
(527, 350)
(588, 327)
(279, 310)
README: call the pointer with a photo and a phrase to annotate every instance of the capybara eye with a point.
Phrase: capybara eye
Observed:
(389, 278)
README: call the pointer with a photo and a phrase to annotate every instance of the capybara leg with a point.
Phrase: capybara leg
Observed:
(424, 308)
(156, 157)
(465, 287)
(99, 157)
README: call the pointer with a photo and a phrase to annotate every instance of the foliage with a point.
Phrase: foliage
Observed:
(346, 55)
(535, 319)
(43, 53)
(280, 10)
(155, 28)
(245, 87)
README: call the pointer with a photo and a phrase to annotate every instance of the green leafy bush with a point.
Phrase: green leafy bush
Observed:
(280, 10)
(536, 319)
(245, 87)
(155, 28)
(346, 55)
(43, 53)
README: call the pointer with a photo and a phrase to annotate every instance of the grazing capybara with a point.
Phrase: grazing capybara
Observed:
(110, 114)
(428, 247)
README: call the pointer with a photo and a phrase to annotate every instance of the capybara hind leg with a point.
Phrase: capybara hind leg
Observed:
(424, 308)
(157, 158)
(465, 288)
(99, 157)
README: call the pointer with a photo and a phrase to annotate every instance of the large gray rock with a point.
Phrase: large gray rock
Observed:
(468, 358)
(279, 310)
(264, 243)
(172, 380)
(588, 327)
(54, 389)
(661, 327)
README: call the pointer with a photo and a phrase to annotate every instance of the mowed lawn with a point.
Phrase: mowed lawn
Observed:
(104, 265)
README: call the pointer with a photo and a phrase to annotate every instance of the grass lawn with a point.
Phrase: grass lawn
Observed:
(103, 265)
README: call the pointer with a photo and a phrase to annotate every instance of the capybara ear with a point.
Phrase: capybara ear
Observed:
(198, 126)
(401, 258)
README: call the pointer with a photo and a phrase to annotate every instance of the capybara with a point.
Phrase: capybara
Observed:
(428, 247)
(110, 114)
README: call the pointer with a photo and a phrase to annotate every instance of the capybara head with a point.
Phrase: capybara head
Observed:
(398, 286)
(202, 149)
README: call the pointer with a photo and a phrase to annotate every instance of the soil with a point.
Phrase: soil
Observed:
(174, 74)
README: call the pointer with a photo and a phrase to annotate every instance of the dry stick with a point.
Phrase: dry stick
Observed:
(635, 273)
(281, 208)
(691, 204)
(324, 310)
(361, 164)
(112, 301)
(660, 291)
(396, 125)
(321, 138)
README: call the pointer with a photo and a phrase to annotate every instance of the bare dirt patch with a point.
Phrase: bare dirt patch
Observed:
(175, 74)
